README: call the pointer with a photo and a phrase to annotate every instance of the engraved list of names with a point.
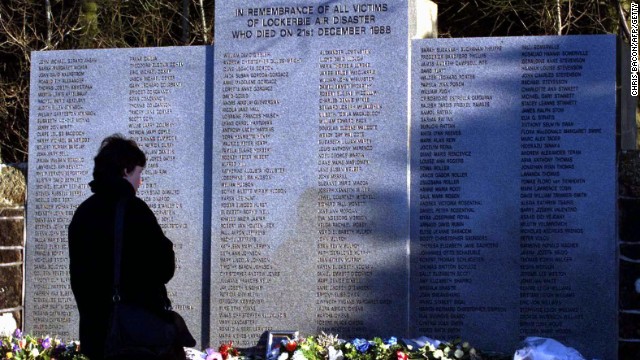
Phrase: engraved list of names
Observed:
(80, 97)
(513, 188)
(61, 114)
(309, 155)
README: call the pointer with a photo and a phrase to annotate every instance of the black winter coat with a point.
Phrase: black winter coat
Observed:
(148, 260)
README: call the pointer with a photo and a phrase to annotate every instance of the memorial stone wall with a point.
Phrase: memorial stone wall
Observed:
(309, 161)
(77, 99)
(316, 175)
(509, 218)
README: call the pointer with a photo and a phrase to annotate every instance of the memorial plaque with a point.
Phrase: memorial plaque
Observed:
(310, 219)
(155, 96)
(513, 185)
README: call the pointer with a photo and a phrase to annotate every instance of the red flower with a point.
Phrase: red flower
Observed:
(401, 355)
(291, 346)
(225, 349)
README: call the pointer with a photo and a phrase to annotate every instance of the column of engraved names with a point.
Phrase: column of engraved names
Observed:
(450, 249)
(249, 182)
(550, 192)
(349, 106)
(152, 124)
(62, 113)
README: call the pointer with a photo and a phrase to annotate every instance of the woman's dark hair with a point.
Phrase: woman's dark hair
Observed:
(116, 154)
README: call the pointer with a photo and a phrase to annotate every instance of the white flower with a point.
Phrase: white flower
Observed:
(458, 354)
(335, 355)
(34, 352)
(446, 350)
(438, 354)
(283, 356)
(409, 347)
(298, 355)
(465, 344)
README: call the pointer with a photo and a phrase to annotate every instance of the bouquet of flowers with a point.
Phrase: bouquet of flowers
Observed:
(225, 352)
(19, 346)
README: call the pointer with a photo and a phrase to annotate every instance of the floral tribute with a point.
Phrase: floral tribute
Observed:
(330, 347)
(20, 346)
(225, 352)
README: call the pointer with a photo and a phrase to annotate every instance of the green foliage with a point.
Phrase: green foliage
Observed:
(88, 21)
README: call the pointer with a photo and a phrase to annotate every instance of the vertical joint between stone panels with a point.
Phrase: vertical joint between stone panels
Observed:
(411, 22)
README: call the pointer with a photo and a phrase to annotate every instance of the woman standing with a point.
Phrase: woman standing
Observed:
(148, 260)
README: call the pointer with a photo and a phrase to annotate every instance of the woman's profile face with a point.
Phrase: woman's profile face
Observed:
(134, 177)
